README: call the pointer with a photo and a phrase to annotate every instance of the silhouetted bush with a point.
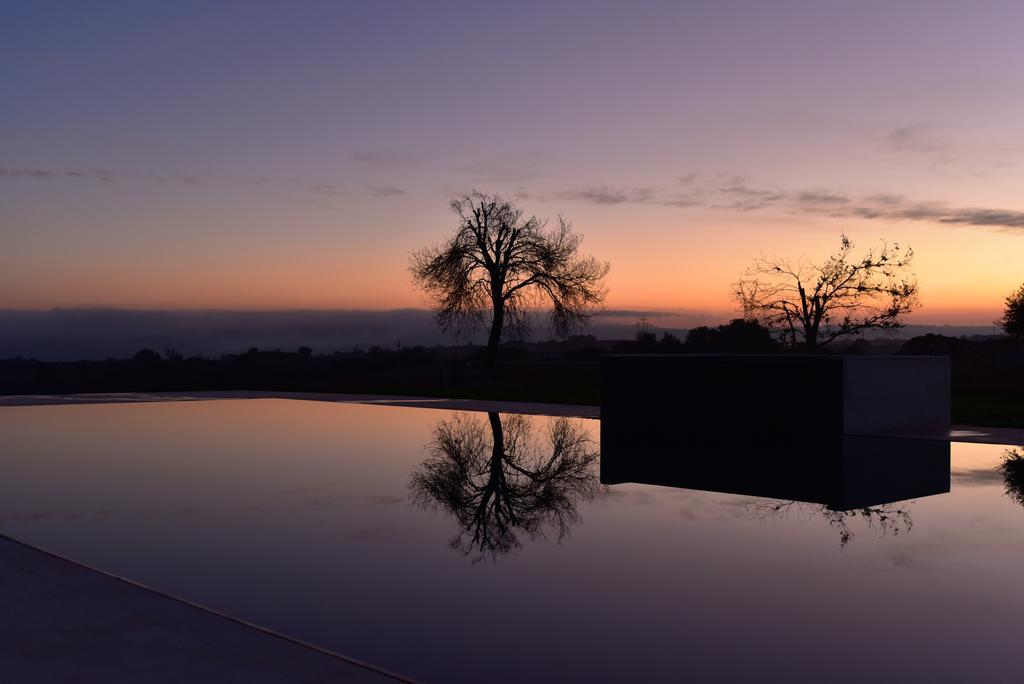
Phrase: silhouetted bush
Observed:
(703, 340)
(935, 345)
(737, 337)
(1012, 321)
(670, 344)
(146, 356)
(1012, 469)
(859, 347)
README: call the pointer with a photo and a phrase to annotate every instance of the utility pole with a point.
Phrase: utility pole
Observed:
(641, 326)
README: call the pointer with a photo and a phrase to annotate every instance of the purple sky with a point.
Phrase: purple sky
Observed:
(283, 155)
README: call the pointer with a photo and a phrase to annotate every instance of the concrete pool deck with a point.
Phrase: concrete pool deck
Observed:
(64, 622)
(525, 407)
(958, 433)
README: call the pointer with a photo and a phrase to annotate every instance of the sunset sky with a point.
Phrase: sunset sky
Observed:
(274, 155)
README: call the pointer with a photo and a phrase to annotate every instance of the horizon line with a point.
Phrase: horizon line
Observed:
(938, 319)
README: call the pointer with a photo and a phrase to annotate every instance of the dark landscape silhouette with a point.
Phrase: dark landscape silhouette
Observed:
(987, 372)
(100, 334)
(498, 276)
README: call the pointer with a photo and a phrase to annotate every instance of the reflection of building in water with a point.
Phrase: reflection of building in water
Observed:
(842, 479)
(843, 473)
(500, 480)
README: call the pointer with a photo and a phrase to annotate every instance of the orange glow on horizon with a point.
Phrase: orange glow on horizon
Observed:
(679, 260)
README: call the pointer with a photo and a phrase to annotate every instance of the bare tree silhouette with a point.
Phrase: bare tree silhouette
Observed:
(501, 264)
(887, 519)
(1012, 321)
(508, 484)
(812, 305)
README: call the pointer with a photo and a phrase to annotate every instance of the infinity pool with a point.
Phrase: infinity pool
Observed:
(404, 538)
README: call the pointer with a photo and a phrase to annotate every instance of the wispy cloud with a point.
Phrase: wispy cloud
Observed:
(312, 187)
(885, 199)
(822, 198)
(918, 139)
(104, 175)
(898, 208)
(974, 152)
(369, 189)
(316, 203)
(384, 159)
(52, 174)
(726, 192)
(384, 191)
(504, 169)
(326, 189)
(737, 193)
(967, 216)
(610, 195)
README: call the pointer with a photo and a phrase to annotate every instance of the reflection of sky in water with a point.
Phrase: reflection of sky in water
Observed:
(297, 516)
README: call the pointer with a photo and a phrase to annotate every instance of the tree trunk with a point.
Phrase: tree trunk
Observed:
(811, 341)
(498, 437)
(497, 324)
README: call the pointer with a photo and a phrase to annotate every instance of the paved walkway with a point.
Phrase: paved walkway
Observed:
(986, 435)
(959, 433)
(533, 408)
(63, 622)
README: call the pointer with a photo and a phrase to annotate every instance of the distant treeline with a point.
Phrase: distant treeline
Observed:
(566, 371)
(97, 334)
(987, 372)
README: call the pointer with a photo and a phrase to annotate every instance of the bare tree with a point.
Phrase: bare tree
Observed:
(511, 483)
(812, 305)
(1012, 321)
(500, 265)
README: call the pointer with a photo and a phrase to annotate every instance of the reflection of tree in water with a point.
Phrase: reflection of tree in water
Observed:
(508, 482)
(887, 519)
(1012, 469)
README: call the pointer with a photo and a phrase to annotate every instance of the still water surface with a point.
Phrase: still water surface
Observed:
(401, 537)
